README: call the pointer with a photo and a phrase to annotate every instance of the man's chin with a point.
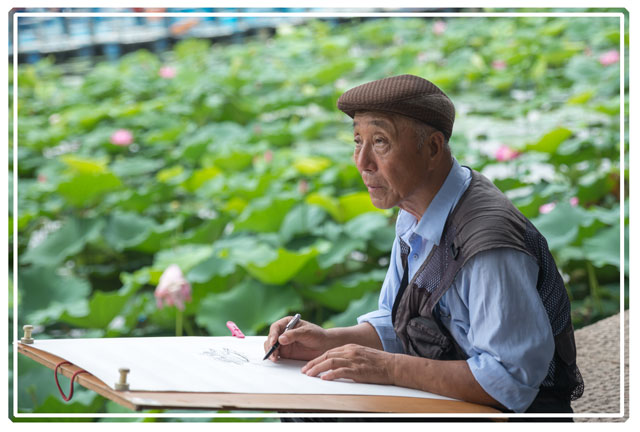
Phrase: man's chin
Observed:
(381, 205)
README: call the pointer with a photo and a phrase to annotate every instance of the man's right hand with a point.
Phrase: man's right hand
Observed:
(304, 342)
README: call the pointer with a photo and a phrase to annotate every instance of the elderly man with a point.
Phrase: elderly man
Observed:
(472, 306)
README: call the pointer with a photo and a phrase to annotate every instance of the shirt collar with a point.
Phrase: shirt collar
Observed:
(432, 222)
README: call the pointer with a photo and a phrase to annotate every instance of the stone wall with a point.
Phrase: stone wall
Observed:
(599, 362)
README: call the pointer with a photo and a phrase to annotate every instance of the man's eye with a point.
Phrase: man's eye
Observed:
(380, 141)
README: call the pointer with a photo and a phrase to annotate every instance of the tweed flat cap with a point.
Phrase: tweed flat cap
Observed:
(408, 95)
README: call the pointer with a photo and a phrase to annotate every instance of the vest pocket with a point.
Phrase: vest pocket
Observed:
(426, 339)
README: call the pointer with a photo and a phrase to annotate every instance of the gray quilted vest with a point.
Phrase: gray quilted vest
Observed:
(484, 219)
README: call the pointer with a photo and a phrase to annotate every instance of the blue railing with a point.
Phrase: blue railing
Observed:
(85, 36)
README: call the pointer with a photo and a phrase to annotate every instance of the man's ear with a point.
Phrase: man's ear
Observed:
(435, 144)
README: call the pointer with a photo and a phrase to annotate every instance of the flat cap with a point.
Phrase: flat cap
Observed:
(408, 95)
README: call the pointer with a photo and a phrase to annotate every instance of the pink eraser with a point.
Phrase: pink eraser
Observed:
(235, 331)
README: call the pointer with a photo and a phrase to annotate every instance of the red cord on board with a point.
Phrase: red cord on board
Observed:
(73, 377)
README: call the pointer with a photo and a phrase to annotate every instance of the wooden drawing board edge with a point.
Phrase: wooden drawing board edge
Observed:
(141, 400)
(85, 379)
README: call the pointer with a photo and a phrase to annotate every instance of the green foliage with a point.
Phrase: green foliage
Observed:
(239, 170)
(45, 295)
(254, 306)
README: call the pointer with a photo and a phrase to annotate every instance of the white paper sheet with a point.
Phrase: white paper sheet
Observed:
(203, 364)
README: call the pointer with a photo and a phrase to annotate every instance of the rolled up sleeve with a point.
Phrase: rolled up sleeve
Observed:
(381, 321)
(509, 337)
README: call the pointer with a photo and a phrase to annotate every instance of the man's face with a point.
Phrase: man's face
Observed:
(391, 165)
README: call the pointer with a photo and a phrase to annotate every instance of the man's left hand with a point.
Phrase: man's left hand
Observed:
(355, 362)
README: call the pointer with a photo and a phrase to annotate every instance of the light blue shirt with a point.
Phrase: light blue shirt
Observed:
(492, 309)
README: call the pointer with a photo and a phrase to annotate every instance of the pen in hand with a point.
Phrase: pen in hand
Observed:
(291, 325)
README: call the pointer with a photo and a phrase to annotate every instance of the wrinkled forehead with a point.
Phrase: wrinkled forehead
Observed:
(386, 121)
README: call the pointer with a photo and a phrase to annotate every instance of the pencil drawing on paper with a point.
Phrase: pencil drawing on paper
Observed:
(226, 355)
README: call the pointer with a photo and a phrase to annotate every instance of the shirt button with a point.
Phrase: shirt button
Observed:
(415, 256)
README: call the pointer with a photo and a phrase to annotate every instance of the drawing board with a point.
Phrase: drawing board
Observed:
(203, 364)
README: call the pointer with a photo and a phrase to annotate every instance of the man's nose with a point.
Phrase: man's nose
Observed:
(364, 158)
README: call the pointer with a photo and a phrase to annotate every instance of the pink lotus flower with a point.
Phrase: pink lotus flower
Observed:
(499, 64)
(303, 187)
(173, 289)
(42, 178)
(268, 156)
(122, 137)
(547, 208)
(506, 153)
(609, 58)
(439, 27)
(167, 72)
(573, 201)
